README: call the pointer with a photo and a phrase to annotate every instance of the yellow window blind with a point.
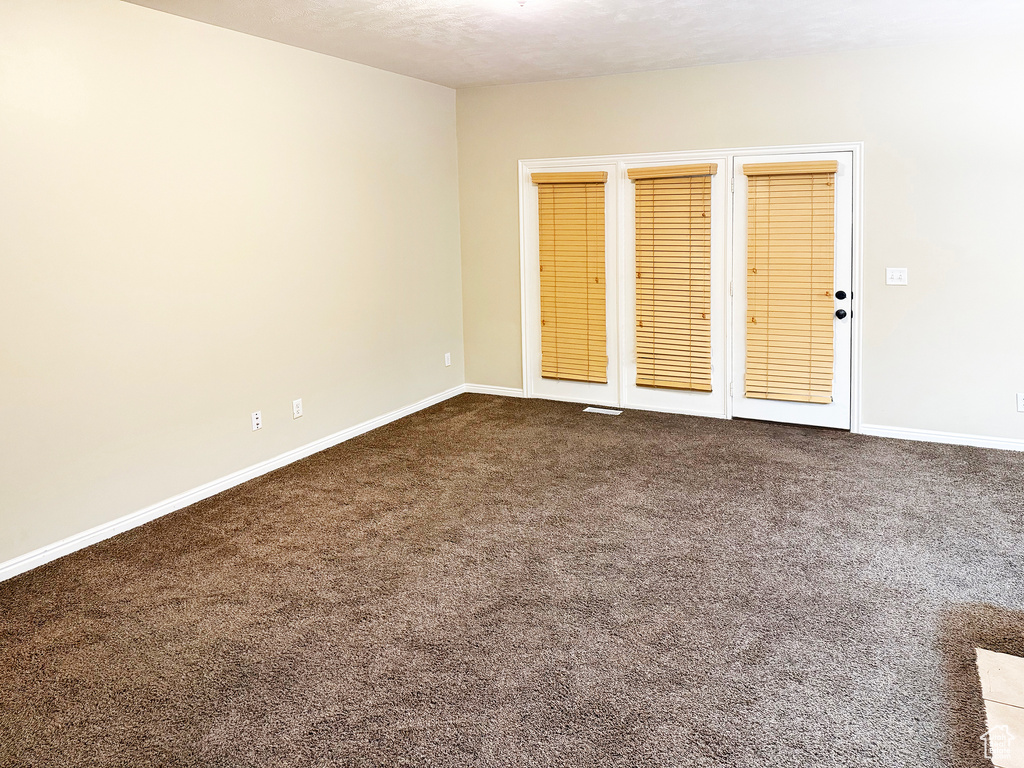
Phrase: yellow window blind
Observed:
(572, 280)
(790, 265)
(673, 276)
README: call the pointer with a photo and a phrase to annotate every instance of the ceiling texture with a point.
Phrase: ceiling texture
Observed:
(461, 43)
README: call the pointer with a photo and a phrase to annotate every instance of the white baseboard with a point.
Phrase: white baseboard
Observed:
(71, 544)
(84, 539)
(487, 389)
(952, 438)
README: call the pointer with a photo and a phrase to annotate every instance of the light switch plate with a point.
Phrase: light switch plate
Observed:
(895, 275)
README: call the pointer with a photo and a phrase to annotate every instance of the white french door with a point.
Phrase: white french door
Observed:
(730, 304)
(538, 385)
(792, 328)
(667, 399)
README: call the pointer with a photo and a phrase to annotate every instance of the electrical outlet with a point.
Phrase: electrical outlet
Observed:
(895, 275)
(1020, 402)
(447, 358)
(257, 420)
(296, 408)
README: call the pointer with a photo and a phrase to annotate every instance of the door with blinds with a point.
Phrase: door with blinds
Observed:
(674, 302)
(570, 278)
(792, 283)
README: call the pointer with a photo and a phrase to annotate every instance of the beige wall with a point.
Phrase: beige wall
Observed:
(946, 352)
(195, 224)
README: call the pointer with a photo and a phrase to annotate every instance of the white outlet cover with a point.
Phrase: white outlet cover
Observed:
(297, 408)
(895, 275)
(447, 358)
(1020, 402)
(257, 420)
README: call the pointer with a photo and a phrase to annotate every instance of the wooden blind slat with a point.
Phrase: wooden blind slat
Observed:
(572, 279)
(813, 167)
(583, 177)
(673, 276)
(790, 266)
(672, 171)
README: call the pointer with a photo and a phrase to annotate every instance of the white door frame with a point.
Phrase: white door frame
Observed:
(615, 248)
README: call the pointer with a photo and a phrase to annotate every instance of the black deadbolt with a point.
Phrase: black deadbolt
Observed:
(840, 295)
(840, 313)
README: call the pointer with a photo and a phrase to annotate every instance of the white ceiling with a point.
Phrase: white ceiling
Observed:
(462, 43)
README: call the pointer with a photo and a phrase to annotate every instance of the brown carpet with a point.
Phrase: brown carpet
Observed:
(497, 582)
